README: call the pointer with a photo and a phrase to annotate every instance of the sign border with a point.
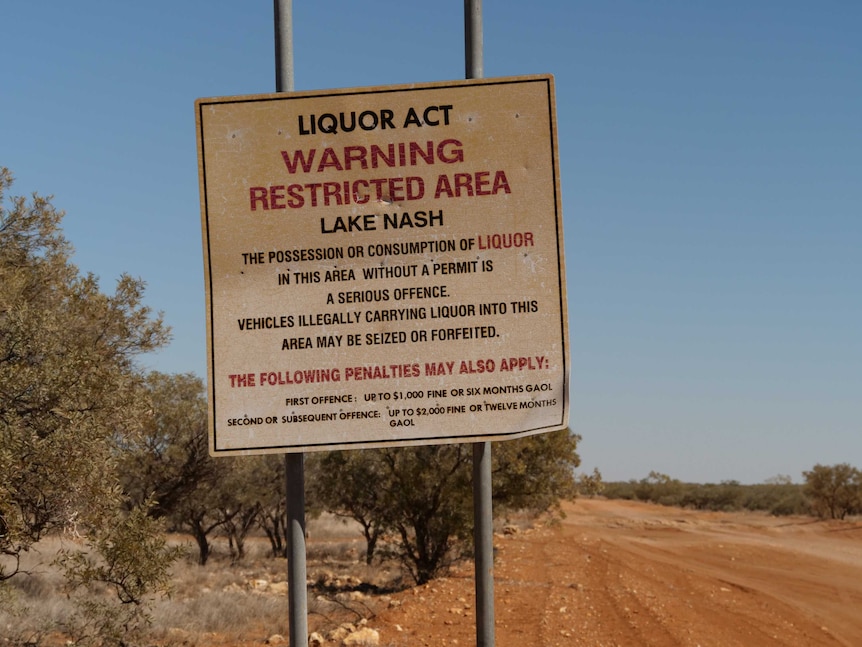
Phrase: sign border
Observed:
(200, 105)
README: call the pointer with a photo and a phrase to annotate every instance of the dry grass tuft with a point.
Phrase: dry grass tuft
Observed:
(222, 602)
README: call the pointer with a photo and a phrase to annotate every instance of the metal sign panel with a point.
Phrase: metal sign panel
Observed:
(383, 266)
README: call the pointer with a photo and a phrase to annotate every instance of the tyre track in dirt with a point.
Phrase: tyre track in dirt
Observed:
(612, 599)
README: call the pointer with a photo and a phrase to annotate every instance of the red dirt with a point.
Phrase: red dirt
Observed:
(623, 573)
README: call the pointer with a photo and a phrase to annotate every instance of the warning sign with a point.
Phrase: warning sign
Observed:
(383, 266)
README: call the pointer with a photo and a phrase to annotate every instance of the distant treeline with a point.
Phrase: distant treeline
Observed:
(775, 498)
(828, 492)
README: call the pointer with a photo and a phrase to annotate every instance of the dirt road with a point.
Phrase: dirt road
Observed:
(622, 573)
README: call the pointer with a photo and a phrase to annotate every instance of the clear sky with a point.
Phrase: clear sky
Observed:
(711, 161)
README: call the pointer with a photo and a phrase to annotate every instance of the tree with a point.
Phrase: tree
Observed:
(70, 391)
(132, 559)
(779, 479)
(835, 491)
(420, 493)
(272, 516)
(169, 458)
(168, 462)
(198, 513)
(428, 503)
(591, 484)
(240, 500)
(659, 488)
(351, 484)
(535, 473)
(424, 494)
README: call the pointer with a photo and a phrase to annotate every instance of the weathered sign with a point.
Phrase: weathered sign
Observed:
(383, 266)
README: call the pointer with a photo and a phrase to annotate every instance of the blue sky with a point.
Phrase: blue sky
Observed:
(711, 158)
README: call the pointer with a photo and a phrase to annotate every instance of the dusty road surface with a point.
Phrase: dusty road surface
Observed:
(623, 573)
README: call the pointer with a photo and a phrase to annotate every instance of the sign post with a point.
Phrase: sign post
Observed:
(384, 267)
(294, 465)
(483, 512)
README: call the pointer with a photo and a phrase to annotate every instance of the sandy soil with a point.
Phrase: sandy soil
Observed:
(623, 573)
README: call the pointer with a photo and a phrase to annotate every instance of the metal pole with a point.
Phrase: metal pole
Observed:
(483, 538)
(296, 570)
(483, 518)
(294, 464)
(283, 13)
(474, 43)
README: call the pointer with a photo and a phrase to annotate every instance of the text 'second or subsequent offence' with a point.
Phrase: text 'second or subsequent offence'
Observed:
(383, 266)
